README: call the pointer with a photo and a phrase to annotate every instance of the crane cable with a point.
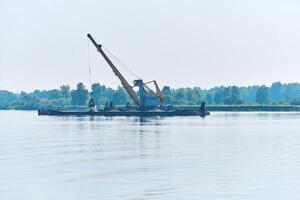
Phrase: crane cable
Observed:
(89, 61)
(119, 61)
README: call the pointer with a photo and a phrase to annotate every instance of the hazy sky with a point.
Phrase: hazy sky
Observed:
(207, 43)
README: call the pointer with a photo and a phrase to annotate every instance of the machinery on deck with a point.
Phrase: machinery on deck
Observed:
(148, 102)
(146, 99)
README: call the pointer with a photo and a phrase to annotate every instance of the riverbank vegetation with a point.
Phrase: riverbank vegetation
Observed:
(278, 94)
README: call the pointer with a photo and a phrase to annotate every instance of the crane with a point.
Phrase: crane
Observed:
(146, 98)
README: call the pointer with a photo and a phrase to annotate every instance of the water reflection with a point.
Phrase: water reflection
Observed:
(226, 155)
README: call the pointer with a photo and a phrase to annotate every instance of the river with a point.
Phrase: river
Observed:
(229, 155)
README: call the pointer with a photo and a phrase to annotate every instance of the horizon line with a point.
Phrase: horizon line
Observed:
(114, 88)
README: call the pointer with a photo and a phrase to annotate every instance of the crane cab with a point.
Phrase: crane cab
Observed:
(148, 98)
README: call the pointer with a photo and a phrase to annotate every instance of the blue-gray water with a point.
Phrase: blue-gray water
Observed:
(240, 156)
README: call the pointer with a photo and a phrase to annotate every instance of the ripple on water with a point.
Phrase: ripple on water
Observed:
(224, 156)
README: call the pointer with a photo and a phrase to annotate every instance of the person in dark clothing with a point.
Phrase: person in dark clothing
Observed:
(92, 104)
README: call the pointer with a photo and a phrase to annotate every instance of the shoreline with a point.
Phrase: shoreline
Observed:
(252, 108)
(226, 108)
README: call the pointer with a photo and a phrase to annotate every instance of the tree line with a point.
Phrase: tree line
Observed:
(65, 97)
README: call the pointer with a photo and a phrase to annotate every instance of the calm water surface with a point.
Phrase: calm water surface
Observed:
(240, 156)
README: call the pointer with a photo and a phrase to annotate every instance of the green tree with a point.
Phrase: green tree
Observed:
(192, 96)
(198, 92)
(62, 97)
(263, 95)
(276, 92)
(65, 91)
(80, 95)
(295, 101)
(226, 92)
(228, 100)
(235, 95)
(7, 99)
(98, 93)
(168, 98)
(209, 98)
(120, 96)
(218, 98)
(181, 96)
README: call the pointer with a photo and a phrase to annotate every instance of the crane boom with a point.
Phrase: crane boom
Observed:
(158, 91)
(124, 82)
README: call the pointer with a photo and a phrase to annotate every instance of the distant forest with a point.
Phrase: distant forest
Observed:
(65, 97)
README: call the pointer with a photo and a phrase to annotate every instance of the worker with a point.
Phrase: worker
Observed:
(92, 105)
(202, 109)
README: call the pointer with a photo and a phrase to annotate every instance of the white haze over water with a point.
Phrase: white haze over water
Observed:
(43, 44)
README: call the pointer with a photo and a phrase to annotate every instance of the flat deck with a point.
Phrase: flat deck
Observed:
(123, 113)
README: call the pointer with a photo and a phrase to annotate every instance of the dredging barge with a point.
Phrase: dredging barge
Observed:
(148, 102)
(133, 113)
